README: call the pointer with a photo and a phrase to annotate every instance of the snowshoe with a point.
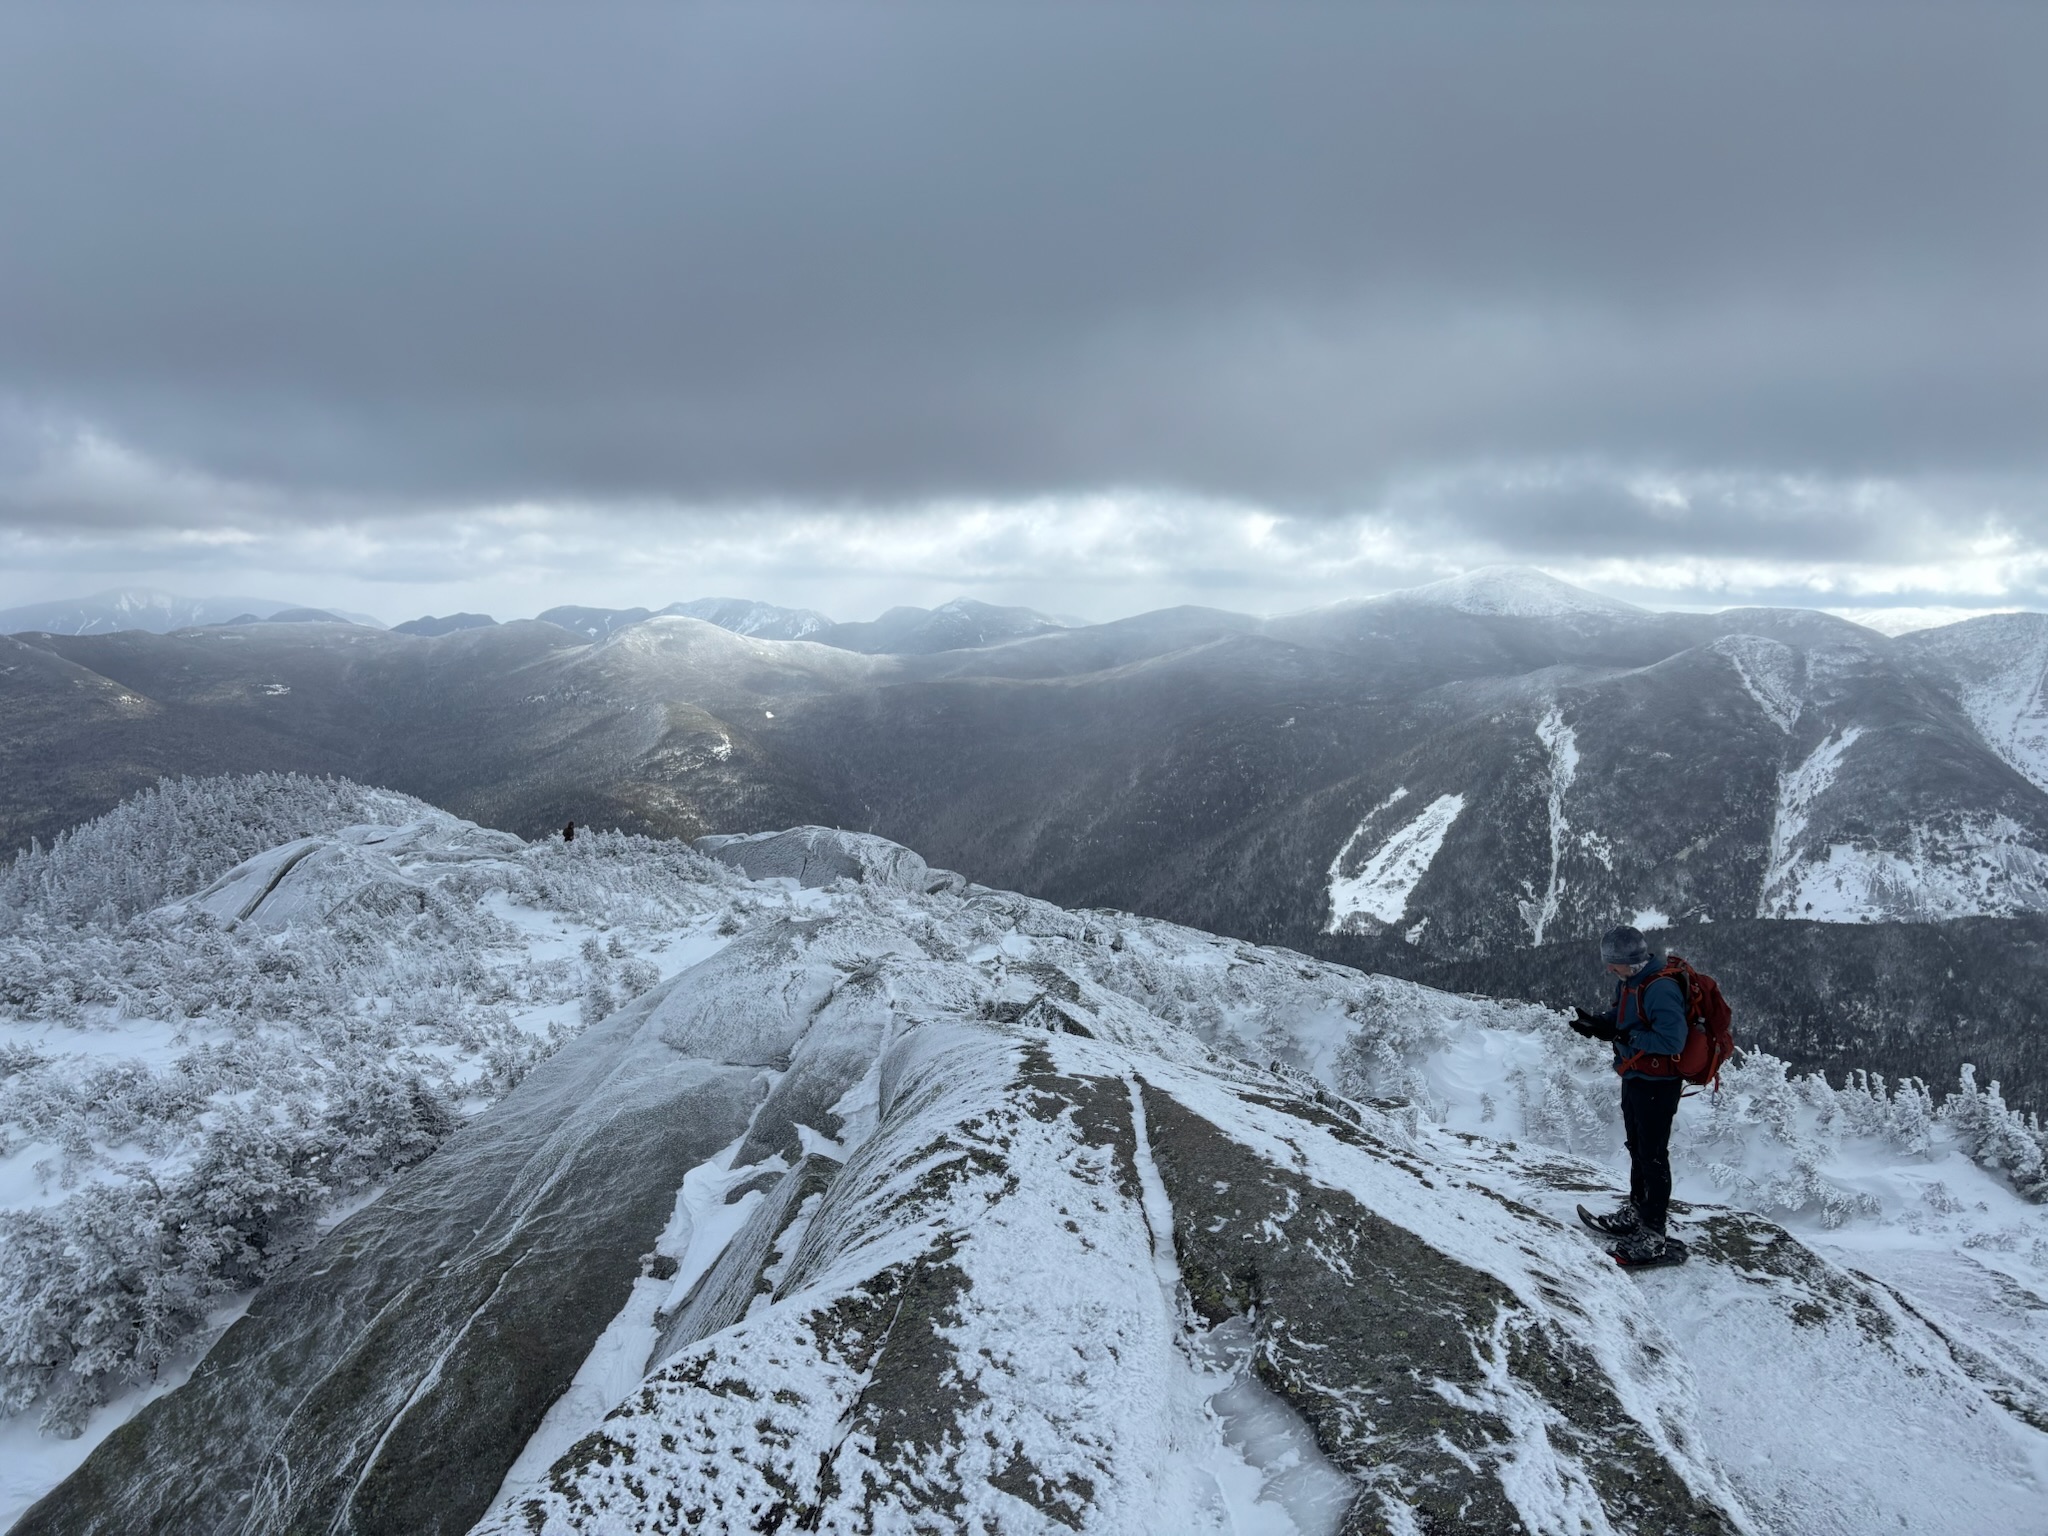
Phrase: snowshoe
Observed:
(1616, 1224)
(1644, 1249)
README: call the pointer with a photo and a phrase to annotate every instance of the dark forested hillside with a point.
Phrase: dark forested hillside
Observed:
(1448, 777)
(1909, 999)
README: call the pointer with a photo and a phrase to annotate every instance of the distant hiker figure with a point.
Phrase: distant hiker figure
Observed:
(569, 833)
(1648, 1029)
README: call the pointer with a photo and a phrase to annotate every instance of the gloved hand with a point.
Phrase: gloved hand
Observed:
(1592, 1026)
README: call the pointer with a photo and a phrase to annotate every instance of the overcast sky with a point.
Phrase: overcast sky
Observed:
(414, 308)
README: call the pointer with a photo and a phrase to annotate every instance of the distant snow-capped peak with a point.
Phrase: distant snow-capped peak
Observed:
(1512, 591)
(744, 616)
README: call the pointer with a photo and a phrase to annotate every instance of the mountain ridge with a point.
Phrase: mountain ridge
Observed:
(144, 608)
(865, 1191)
(1258, 778)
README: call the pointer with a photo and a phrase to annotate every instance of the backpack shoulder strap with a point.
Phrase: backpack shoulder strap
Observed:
(1680, 970)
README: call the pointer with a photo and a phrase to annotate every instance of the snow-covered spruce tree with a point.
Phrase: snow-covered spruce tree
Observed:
(178, 837)
(113, 1283)
(318, 1060)
(1997, 1137)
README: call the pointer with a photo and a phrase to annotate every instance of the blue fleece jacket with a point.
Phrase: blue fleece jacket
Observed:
(1649, 1012)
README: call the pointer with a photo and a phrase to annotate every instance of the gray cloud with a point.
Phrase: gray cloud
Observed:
(895, 253)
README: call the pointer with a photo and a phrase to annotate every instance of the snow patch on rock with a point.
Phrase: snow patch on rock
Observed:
(305, 881)
(1269, 1475)
(1977, 867)
(703, 1224)
(1378, 889)
(1798, 789)
(816, 856)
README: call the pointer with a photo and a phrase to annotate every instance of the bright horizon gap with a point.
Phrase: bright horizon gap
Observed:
(1889, 619)
(83, 511)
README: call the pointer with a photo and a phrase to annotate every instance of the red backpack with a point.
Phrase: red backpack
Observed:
(1710, 1035)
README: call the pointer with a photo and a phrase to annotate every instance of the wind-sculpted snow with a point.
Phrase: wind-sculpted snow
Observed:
(889, 1208)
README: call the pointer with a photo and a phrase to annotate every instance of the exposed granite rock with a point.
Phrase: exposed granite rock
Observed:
(816, 856)
(1395, 1352)
(386, 1382)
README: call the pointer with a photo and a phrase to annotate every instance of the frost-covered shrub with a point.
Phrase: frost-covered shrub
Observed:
(110, 1285)
(616, 879)
(1382, 1058)
(179, 837)
(320, 1059)
(1904, 1114)
(1768, 1135)
(1562, 1107)
(1768, 1139)
(106, 1285)
(1997, 1137)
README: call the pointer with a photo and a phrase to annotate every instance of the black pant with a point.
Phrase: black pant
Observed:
(1647, 1107)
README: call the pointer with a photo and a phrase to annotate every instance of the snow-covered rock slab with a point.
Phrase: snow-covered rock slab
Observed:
(305, 881)
(965, 1328)
(1830, 1403)
(815, 856)
(387, 1381)
(900, 1209)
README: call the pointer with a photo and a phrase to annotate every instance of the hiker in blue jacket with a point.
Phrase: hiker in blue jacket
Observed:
(1647, 1019)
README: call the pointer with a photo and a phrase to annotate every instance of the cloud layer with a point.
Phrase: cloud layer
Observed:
(893, 291)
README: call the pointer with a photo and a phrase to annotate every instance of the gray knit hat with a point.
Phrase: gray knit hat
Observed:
(1624, 946)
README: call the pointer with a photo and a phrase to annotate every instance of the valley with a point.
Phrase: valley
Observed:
(1288, 781)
